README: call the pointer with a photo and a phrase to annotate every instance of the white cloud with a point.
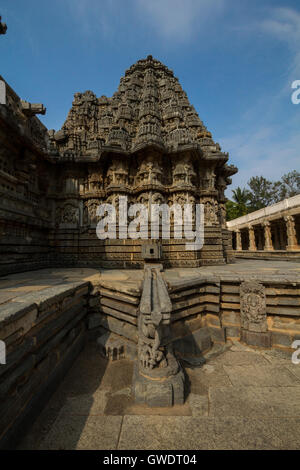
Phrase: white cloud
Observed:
(264, 152)
(178, 19)
(263, 148)
(93, 16)
(284, 25)
(174, 20)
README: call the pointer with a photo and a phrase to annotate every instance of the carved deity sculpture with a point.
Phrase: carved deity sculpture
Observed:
(253, 306)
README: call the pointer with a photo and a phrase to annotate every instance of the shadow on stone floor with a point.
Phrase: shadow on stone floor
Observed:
(75, 396)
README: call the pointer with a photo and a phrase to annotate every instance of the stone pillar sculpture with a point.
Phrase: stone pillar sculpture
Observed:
(254, 327)
(268, 236)
(158, 378)
(252, 244)
(238, 240)
(291, 233)
(3, 27)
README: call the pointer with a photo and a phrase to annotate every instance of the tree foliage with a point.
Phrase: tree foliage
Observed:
(262, 192)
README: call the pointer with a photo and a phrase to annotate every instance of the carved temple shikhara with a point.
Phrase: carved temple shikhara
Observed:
(147, 143)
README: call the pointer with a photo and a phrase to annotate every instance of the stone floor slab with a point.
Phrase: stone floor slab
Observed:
(207, 376)
(232, 433)
(83, 433)
(199, 404)
(261, 376)
(255, 402)
(86, 405)
(237, 358)
(166, 433)
(294, 369)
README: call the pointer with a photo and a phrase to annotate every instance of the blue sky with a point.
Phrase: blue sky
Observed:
(236, 59)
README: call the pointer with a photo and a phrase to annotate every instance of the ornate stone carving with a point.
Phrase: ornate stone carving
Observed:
(89, 211)
(158, 379)
(291, 233)
(253, 306)
(252, 243)
(3, 27)
(238, 240)
(268, 236)
(67, 214)
(254, 327)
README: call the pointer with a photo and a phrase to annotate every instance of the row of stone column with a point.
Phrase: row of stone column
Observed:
(292, 243)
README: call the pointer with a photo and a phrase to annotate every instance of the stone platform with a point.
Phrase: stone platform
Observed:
(48, 316)
(15, 285)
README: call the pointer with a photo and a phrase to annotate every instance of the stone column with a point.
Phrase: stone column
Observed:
(281, 237)
(268, 237)
(291, 233)
(238, 242)
(252, 244)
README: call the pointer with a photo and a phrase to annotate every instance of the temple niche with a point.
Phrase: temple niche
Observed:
(148, 143)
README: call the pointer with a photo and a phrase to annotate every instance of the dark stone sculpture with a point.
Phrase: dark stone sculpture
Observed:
(158, 378)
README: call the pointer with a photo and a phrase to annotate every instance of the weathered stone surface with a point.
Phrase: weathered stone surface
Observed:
(262, 376)
(194, 344)
(158, 379)
(115, 347)
(255, 401)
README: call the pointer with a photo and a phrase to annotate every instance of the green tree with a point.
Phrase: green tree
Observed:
(241, 196)
(289, 185)
(239, 206)
(262, 193)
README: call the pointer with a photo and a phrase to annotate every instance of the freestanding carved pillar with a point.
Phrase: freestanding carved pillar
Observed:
(238, 241)
(252, 244)
(158, 379)
(268, 236)
(291, 233)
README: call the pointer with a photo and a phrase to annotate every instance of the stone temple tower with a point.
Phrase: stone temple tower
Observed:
(146, 142)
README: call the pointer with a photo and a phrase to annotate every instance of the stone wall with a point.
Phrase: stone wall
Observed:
(43, 333)
(25, 214)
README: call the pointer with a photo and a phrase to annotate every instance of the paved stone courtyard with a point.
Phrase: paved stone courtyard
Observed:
(15, 285)
(239, 399)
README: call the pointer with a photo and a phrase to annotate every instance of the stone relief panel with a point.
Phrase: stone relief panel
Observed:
(67, 214)
(210, 211)
(117, 174)
(253, 306)
(89, 211)
(183, 173)
(149, 172)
